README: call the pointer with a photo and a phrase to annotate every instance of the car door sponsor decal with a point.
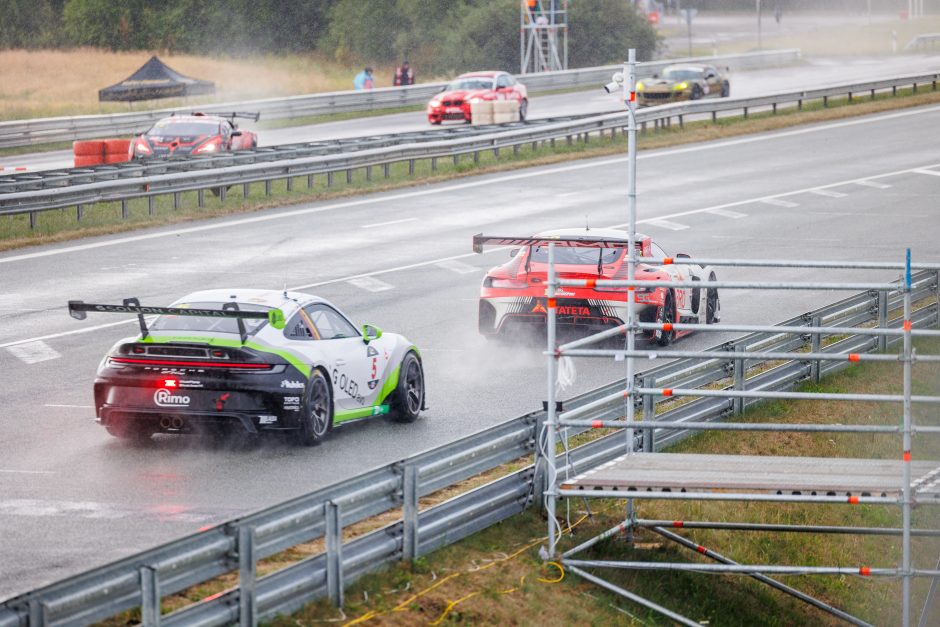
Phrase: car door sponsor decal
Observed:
(347, 385)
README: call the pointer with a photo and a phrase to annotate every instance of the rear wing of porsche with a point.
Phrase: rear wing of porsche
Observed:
(79, 310)
(480, 240)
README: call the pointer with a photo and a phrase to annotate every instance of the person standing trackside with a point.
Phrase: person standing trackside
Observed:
(404, 75)
(364, 80)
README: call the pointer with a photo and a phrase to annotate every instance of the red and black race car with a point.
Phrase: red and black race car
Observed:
(194, 134)
(513, 294)
(453, 103)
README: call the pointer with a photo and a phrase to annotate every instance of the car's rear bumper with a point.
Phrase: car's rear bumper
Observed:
(506, 315)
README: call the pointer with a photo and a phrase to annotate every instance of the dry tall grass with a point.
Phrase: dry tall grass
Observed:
(45, 83)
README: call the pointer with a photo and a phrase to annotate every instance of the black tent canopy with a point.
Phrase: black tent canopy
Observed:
(155, 80)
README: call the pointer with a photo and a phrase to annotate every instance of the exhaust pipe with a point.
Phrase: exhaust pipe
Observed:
(176, 422)
(165, 423)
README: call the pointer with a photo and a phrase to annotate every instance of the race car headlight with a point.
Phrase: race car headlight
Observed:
(639, 290)
(511, 284)
(141, 147)
(640, 86)
(477, 99)
(434, 103)
(212, 146)
(681, 86)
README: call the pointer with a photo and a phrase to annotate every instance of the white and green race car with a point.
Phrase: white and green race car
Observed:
(255, 360)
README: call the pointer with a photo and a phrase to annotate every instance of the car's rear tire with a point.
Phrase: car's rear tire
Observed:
(523, 109)
(712, 304)
(136, 431)
(316, 417)
(666, 314)
(697, 92)
(409, 394)
(725, 89)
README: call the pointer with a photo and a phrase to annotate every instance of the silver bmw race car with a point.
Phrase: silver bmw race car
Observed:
(254, 360)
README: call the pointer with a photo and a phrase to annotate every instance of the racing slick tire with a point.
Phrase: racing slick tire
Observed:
(134, 431)
(711, 303)
(316, 417)
(523, 109)
(697, 92)
(666, 314)
(725, 89)
(409, 394)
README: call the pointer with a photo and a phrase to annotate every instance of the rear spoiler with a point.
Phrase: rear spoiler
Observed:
(78, 309)
(480, 240)
(231, 116)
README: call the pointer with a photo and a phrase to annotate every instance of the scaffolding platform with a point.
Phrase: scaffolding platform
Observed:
(758, 474)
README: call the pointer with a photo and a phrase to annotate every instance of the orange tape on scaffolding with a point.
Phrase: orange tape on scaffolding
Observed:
(907, 456)
(678, 523)
(667, 326)
(667, 392)
(864, 571)
(853, 500)
(854, 357)
(552, 303)
(590, 283)
(667, 261)
(907, 325)
(597, 424)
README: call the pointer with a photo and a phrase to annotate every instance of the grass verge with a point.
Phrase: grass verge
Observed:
(496, 577)
(106, 218)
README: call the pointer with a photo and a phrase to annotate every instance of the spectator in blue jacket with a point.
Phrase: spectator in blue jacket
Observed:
(364, 80)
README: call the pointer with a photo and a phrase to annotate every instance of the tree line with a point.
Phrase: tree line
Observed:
(436, 36)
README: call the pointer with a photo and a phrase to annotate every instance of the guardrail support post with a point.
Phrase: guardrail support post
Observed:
(882, 320)
(329, 179)
(410, 514)
(681, 124)
(124, 209)
(938, 298)
(310, 178)
(246, 190)
(334, 554)
(349, 176)
(368, 172)
(740, 369)
(850, 98)
(815, 343)
(411, 164)
(79, 212)
(247, 563)
(150, 207)
(745, 113)
(176, 200)
(433, 164)
(38, 614)
(825, 101)
(149, 597)
(201, 198)
(649, 413)
(290, 183)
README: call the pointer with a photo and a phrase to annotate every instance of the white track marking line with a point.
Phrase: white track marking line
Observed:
(27, 472)
(776, 202)
(457, 266)
(424, 264)
(666, 224)
(33, 352)
(725, 213)
(486, 182)
(371, 284)
(828, 193)
(926, 171)
(69, 406)
(389, 223)
(874, 184)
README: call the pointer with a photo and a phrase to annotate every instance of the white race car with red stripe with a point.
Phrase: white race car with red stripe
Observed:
(513, 294)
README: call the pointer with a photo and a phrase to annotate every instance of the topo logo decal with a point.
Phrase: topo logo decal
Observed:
(166, 398)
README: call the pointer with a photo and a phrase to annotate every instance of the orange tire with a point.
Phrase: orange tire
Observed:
(93, 147)
(116, 146)
(83, 161)
(115, 157)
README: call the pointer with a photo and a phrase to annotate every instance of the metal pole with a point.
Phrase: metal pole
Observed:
(883, 319)
(630, 99)
(150, 597)
(816, 342)
(334, 553)
(247, 565)
(906, 453)
(551, 423)
(759, 47)
(410, 513)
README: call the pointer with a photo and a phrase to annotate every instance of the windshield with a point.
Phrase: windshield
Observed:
(183, 129)
(215, 325)
(577, 256)
(681, 74)
(462, 84)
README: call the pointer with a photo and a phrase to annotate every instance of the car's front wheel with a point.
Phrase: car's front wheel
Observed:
(409, 395)
(523, 109)
(316, 418)
(711, 303)
(697, 92)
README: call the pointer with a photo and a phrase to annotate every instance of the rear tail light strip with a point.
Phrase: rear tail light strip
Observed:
(179, 363)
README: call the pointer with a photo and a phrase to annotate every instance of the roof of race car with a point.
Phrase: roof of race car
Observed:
(287, 302)
(486, 73)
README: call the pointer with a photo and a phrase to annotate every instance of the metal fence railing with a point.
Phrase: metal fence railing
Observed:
(144, 579)
(48, 130)
(32, 193)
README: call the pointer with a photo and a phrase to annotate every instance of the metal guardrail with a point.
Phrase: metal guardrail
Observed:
(143, 579)
(48, 130)
(123, 182)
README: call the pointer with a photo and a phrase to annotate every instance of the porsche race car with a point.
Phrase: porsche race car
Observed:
(453, 103)
(194, 134)
(512, 295)
(251, 360)
(682, 82)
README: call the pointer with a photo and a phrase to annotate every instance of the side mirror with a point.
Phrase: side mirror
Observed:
(682, 256)
(236, 133)
(513, 252)
(442, 89)
(276, 318)
(370, 332)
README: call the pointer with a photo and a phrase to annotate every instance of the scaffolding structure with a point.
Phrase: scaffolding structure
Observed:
(644, 474)
(543, 36)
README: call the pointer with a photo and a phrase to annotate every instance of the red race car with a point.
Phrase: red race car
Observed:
(453, 103)
(194, 134)
(513, 295)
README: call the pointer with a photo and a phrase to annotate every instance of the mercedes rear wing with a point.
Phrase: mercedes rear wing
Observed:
(79, 310)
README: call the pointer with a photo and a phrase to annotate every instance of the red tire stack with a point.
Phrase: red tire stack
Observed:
(98, 151)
